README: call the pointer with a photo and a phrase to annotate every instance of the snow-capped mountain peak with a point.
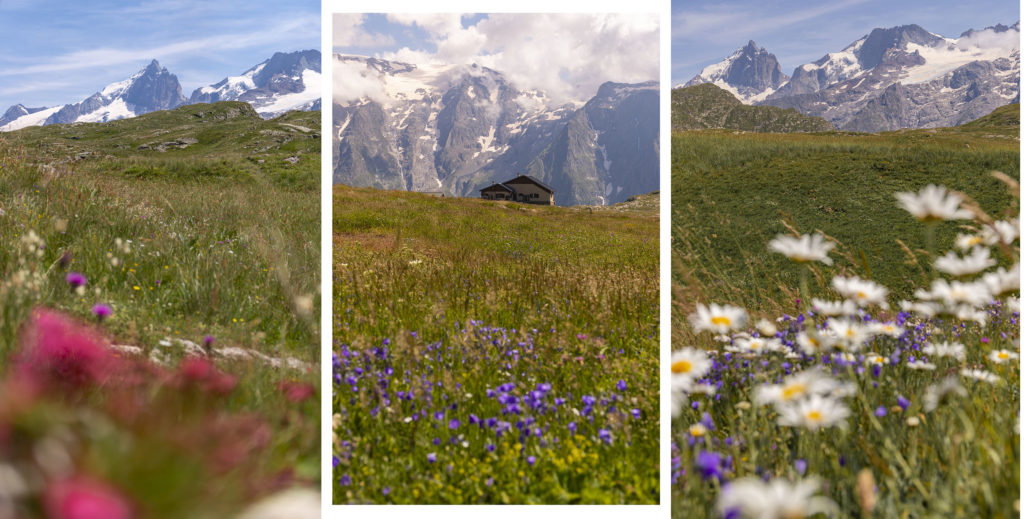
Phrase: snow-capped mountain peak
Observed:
(751, 73)
(284, 82)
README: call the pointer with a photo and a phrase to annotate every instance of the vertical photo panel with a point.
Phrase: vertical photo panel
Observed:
(845, 259)
(159, 260)
(495, 258)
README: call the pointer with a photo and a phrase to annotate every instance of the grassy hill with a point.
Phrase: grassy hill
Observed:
(733, 193)
(220, 141)
(708, 106)
(449, 300)
(144, 254)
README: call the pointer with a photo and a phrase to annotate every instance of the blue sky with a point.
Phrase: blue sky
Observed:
(801, 31)
(568, 56)
(57, 52)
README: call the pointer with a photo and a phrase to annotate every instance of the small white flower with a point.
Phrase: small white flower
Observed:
(968, 241)
(755, 345)
(955, 293)
(766, 328)
(978, 260)
(946, 349)
(834, 308)
(923, 308)
(851, 334)
(877, 360)
(797, 386)
(861, 291)
(920, 364)
(812, 341)
(981, 375)
(697, 430)
(1001, 356)
(806, 248)
(933, 203)
(778, 499)
(1003, 281)
(687, 365)
(718, 319)
(1003, 231)
(891, 329)
(814, 412)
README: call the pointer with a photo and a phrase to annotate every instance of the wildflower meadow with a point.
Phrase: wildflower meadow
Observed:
(493, 352)
(158, 345)
(847, 330)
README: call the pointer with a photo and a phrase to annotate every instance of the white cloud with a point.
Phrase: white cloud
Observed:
(567, 56)
(990, 39)
(348, 31)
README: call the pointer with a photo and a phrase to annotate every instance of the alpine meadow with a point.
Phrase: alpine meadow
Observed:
(845, 269)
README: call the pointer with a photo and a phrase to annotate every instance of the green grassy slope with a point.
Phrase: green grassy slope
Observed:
(731, 194)
(467, 295)
(225, 140)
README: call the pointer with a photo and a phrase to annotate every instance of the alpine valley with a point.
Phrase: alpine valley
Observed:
(455, 129)
(285, 82)
(900, 77)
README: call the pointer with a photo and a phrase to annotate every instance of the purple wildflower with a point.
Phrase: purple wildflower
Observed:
(75, 279)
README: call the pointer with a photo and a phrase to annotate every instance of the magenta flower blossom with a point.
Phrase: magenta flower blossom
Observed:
(75, 279)
(80, 498)
(101, 311)
(56, 349)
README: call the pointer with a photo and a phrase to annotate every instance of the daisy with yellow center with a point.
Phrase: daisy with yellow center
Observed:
(686, 366)
(1001, 356)
(815, 412)
(718, 318)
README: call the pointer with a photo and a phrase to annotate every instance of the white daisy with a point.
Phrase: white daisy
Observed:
(812, 341)
(968, 241)
(891, 329)
(980, 375)
(687, 365)
(876, 359)
(851, 334)
(1001, 232)
(1003, 281)
(922, 308)
(808, 247)
(1001, 356)
(978, 260)
(814, 412)
(933, 203)
(833, 308)
(766, 328)
(920, 364)
(955, 293)
(861, 291)
(946, 349)
(752, 497)
(755, 345)
(799, 385)
(718, 318)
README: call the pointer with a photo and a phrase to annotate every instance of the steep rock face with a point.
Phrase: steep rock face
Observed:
(941, 81)
(284, 82)
(152, 88)
(751, 73)
(457, 129)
